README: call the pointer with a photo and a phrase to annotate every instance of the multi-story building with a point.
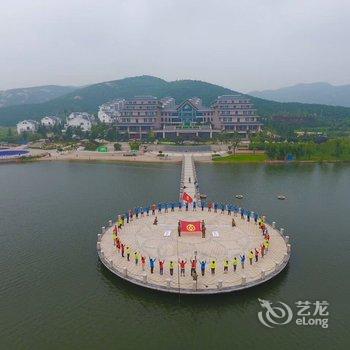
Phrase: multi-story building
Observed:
(108, 112)
(143, 114)
(80, 119)
(27, 126)
(50, 121)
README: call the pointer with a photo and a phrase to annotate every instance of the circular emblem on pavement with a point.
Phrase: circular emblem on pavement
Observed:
(190, 227)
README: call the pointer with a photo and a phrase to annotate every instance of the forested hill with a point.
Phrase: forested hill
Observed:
(90, 97)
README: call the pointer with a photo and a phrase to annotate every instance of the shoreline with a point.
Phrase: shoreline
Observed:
(148, 158)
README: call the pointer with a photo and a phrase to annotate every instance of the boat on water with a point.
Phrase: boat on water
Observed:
(281, 197)
(239, 196)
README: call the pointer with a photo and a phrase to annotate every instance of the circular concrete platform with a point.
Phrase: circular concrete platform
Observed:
(222, 242)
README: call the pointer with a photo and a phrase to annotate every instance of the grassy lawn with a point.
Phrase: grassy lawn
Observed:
(242, 158)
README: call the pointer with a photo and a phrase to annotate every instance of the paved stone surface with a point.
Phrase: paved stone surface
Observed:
(150, 240)
(222, 242)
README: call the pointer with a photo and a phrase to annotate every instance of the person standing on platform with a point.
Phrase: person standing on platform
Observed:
(189, 180)
(165, 207)
(180, 206)
(233, 222)
(242, 213)
(213, 267)
(194, 206)
(222, 205)
(202, 205)
(256, 216)
(127, 250)
(186, 206)
(159, 207)
(262, 250)
(136, 211)
(203, 263)
(215, 207)
(226, 263)
(147, 210)
(151, 263)
(210, 206)
(203, 229)
(161, 267)
(171, 267)
(182, 264)
(256, 253)
(155, 221)
(118, 244)
(248, 216)
(143, 262)
(172, 206)
(193, 266)
(153, 207)
(266, 244)
(250, 257)
(122, 246)
(229, 209)
(242, 260)
(179, 228)
(235, 210)
(235, 263)
(136, 257)
(127, 217)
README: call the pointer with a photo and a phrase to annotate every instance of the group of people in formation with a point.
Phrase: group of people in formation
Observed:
(201, 205)
(139, 259)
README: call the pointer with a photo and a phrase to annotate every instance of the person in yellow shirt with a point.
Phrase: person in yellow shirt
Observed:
(226, 263)
(136, 257)
(127, 251)
(234, 263)
(213, 267)
(266, 245)
(250, 257)
(171, 267)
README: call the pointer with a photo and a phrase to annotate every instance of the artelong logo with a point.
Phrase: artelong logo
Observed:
(308, 313)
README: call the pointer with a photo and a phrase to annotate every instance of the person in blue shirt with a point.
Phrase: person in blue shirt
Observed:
(202, 205)
(203, 263)
(256, 216)
(229, 209)
(172, 206)
(235, 210)
(180, 205)
(159, 207)
(165, 207)
(151, 263)
(136, 210)
(215, 207)
(248, 215)
(222, 208)
(242, 260)
(242, 213)
(127, 217)
(186, 206)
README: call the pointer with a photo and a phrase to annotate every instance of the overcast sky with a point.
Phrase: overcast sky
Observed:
(244, 45)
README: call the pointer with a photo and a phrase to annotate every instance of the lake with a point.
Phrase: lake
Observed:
(55, 294)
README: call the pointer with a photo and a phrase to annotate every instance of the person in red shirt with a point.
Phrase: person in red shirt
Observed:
(256, 255)
(161, 266)
(262, 249)
(143, 262)
(117, 243)
(182, 264)
(193, 266)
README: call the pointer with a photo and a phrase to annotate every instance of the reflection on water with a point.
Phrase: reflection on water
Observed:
(54, 293)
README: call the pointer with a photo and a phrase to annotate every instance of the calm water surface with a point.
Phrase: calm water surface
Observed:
(54, 293)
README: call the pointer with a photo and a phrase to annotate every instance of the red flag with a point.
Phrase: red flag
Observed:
(190, 226)
(187, 198)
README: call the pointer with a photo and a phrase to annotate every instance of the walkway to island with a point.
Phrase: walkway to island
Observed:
(222, 242)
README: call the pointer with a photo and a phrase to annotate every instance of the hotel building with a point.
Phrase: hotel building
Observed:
(143, 114)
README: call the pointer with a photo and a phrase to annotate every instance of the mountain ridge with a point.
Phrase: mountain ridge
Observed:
(88, 99)
(319, 92)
